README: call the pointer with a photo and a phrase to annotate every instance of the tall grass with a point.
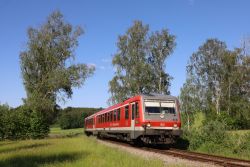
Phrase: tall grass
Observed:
(77, 151)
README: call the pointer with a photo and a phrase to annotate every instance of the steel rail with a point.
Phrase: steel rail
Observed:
(194, 156)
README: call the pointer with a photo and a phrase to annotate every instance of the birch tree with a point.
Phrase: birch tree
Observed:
(140, 63)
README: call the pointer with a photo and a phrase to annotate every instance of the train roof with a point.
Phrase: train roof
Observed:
(152, 96)
(158, 97)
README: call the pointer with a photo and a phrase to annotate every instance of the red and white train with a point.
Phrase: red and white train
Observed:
(145, 118)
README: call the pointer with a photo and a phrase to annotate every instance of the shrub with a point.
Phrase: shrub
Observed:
(214, 131)
(21, 123)
(3, 110)
(194, 137)
(211, 132)
(65, 121)
(72, 119)
(39, 127)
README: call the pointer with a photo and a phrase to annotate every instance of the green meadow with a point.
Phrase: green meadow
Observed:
(67, 148)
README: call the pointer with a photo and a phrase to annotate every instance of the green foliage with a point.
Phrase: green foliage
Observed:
(140, 63)
(22, 123)
(65, 121)
(49, 74)
(47, 64)
(39, 127)
(74, 117)
(214, 131)
(209, 134)
(233, 145)
(218, 84)
(204, 130)
(15, 123)
(3, 110)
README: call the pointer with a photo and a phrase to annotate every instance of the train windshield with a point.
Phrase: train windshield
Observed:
(160, 107)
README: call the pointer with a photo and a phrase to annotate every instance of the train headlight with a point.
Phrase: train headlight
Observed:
(148, 125)
(175, 126)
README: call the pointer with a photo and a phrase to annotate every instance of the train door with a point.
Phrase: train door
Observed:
(136, 114)
(132, 106)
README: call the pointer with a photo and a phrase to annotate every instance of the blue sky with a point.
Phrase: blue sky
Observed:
(192, 22)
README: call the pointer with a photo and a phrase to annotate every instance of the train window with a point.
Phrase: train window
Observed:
(168, 110)
(137, 110)
(111, 116)
(126, 112)
(114, 115)
(107, 117)
(118, 114)
(150, 109)
(133, 111)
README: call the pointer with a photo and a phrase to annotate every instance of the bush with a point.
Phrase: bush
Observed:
(21, 123)
(194, 137)
(39, 127)
(72, 119)
(211, 132)
(214, 131)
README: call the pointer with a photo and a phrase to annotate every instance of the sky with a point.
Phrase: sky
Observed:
(191, 21)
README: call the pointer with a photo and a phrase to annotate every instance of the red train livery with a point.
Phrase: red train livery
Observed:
(145, 118)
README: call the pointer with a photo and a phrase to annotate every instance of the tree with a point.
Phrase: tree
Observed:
(161, 45)
(140, 63)
(218, 81)
(205, 67)
(47, 64)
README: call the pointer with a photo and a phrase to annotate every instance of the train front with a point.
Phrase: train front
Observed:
(161, 119)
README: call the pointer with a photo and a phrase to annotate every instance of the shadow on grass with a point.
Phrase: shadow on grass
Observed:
(23, 148)
(4, 143)
(69, 135)
(38, 160)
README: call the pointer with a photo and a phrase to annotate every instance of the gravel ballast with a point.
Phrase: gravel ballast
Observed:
(168, 160)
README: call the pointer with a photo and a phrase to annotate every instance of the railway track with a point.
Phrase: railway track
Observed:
(194, 156)
(219, 160)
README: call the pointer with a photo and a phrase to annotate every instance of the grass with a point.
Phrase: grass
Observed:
(78, 150)
(58, 132)
(239, 132)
